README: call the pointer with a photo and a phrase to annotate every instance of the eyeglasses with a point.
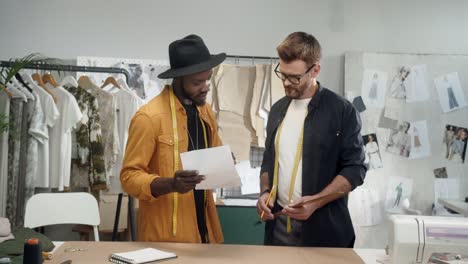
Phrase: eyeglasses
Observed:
(294, 79)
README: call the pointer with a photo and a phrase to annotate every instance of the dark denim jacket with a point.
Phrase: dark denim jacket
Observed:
(333, 146)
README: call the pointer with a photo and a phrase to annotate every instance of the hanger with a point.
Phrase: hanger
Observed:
(48, 78)
(85, 82)
(36, 79)
(20, 87)
(123, 85)
(16, 92)
(25, 84)
(111, 80)
(69, 80)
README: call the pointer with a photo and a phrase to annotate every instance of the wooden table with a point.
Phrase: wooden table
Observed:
(98, 252)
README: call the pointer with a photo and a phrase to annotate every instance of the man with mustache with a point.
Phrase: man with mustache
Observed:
(313, 148)
(177, 120)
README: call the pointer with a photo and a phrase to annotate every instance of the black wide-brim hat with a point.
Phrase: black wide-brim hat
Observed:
(189, 56)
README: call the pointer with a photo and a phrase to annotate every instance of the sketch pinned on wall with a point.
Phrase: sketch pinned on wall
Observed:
(136, 81)
(399, 189)
(399, 142)
(446, 189)
(450, 92)
(420, 146)
(400, 82)
(365, 207)
(372, 151)
(454, 143)
(417, 84)
(441, 173)
(374, 84)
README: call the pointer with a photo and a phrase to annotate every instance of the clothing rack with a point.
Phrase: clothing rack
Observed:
(70, 68)
(251, 57)
(75, 68)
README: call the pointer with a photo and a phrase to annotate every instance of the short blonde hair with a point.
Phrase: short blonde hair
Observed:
(300, 46)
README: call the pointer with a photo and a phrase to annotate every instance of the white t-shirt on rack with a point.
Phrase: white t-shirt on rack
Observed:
(60, 138)
(51, 114)
(127, 103)
(293, 122)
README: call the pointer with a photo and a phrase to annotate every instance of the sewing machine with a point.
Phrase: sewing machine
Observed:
(414, 238)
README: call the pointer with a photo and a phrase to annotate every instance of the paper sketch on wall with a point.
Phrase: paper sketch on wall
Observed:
(454, 143)
(143, 73)
(441, 173)
(451, 96)
(420, 146)
(446, 189)
(372, 151)
(399, 141)
(373, 89)
(417, 84)
(400, 82)
(136, 81)
(365, 206)
(399, 188)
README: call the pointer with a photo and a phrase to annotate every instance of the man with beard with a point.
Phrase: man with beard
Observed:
(313, 148)
(177, 120)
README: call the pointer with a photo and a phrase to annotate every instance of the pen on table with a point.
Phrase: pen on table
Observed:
(268, 201)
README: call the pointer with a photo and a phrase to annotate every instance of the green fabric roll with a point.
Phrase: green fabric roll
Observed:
(14, 248)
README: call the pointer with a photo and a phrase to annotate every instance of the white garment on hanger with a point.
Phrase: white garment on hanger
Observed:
(124, 85)
(16, 92)
(23, 89)
(51, 114)
(5, 111)
(60, 138)
(69, 80)
(127, 104)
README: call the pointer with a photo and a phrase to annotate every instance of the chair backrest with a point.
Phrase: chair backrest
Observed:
(45, 209)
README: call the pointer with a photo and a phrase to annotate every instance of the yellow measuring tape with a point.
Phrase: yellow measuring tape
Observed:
(176, 156)
(295, 167)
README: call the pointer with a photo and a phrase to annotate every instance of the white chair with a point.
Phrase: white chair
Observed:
(62, 208)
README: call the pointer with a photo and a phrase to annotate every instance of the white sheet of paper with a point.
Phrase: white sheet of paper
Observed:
(250, 177)
(446, 188)
(420, 143)
(240, 202)
(418, 85)
(365, 207)
(216, 164)
(374, 84)
(451, 96)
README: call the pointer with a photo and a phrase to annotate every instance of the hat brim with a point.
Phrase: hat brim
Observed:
(214, 61)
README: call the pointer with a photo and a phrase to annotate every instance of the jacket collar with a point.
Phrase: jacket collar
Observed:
(314, 103)
(203, 110)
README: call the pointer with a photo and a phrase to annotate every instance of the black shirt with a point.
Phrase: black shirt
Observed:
(197, 141)
(332, 146)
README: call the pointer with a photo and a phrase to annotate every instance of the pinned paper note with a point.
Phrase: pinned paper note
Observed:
(250, 177)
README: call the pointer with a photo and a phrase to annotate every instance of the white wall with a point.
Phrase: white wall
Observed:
(143, 29)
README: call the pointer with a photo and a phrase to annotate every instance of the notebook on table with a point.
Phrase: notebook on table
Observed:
(141, 256)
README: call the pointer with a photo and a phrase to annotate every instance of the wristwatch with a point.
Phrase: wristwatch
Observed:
(265, 191)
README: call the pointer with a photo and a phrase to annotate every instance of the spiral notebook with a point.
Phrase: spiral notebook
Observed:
(141, 256)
